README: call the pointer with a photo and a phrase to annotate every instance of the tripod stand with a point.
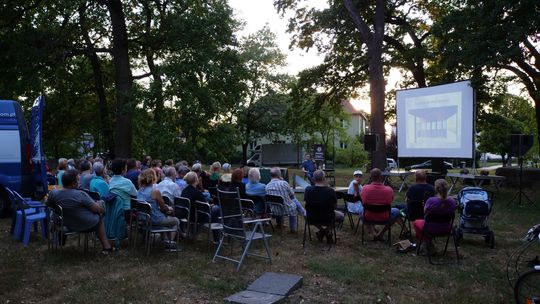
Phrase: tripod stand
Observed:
(520, 193)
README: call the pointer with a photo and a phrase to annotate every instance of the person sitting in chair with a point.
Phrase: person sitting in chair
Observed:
(277, 186)
(421, 190)
(377, 193)
(98, 183)
(161, 213)
(318, 198)
(355, 188)
(440, 204)
(81, 212)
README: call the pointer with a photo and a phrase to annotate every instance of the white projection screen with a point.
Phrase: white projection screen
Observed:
(436, 121)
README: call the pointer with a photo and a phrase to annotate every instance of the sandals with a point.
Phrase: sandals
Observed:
(107, 251)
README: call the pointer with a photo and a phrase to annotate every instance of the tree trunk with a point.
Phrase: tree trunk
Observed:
(123, 79)
(374, 42)
(92, 56)
(156, 87)
(244, 153)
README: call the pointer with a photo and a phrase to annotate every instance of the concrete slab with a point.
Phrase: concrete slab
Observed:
(276, 283)
(253, 297)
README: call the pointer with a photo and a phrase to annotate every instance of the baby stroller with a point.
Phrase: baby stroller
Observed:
(475, 205)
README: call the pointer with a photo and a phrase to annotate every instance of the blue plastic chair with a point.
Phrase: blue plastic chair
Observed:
(27, 213)
(17, 219)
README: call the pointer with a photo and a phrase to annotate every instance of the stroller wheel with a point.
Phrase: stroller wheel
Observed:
(490, 239)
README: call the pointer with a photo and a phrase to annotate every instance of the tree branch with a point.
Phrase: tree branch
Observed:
(137, 77)
(527, 81)
(359, 23)
(533, 51)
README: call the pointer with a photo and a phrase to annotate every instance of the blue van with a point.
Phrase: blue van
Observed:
(15, 154)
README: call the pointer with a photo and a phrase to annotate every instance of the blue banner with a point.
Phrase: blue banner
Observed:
(39, 171)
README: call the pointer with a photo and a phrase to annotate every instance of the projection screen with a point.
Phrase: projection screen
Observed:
(436, 121)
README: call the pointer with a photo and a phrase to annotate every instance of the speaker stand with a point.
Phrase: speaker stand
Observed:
(520, 194)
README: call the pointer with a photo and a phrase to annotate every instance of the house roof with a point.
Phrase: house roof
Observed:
(351, 108)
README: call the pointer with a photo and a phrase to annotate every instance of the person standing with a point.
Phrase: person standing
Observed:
(309, 167)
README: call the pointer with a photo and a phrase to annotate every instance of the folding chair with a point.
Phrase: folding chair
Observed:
(259, 204)
(276, 205)
(432, 221)
(204, 219)
(94, 195)
(345, 209)
(59, 232)
(415, 211)
(367, 218)
(319, 214)
(235, 228)
(182, 210)
(144, 211)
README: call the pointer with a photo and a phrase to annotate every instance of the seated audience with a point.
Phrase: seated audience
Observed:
(181, 171)
(320, 198)
(86, 174)
(236, 182)
(355, 188)
(377, 193)
(421, 190)
(168, 186)
(440, 204)
(192, 193)
(156, 166)
(62, 167)
(133, 171)
(256, 189)
(225, 178)
(98, 183)
(201, 176)
(146, 164)
(277, 186)
(81, 212)
(161, 213)
(214, 173)
(245, 170)
(120, 185)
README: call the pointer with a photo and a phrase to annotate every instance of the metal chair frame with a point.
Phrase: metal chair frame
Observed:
(373, 208)
(144, 210)
(439, 219)
(234, 228)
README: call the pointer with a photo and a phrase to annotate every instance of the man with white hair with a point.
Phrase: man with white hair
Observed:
(277, 186)
(98, 183)
(168, 187)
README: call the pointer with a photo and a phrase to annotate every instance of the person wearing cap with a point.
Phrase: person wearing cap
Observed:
(355, 188)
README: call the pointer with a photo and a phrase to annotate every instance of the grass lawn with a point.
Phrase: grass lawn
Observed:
(348, 273)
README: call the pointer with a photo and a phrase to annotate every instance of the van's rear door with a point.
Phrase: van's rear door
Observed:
(39, 171)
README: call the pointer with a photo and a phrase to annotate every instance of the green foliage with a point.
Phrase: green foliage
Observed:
(353, 155)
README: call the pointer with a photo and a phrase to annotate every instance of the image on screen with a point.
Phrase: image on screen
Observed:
(436, 121)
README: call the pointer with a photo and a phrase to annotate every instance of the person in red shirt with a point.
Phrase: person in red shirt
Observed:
(377, 193)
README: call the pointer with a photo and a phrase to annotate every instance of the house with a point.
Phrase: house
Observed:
(356, 125)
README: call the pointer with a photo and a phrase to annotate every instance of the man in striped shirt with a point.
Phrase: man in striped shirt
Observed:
(277, 186)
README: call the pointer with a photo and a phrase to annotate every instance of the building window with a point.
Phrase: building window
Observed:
(343, 145)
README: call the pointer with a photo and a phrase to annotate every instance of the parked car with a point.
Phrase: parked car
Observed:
(427, 165)
(391, 164)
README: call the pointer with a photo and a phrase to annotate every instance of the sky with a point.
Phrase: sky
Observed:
(257, 13)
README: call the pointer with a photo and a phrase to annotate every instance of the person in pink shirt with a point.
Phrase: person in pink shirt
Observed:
(377, 193)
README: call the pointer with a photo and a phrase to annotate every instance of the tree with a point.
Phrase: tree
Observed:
(262, 110)
(486, 36)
